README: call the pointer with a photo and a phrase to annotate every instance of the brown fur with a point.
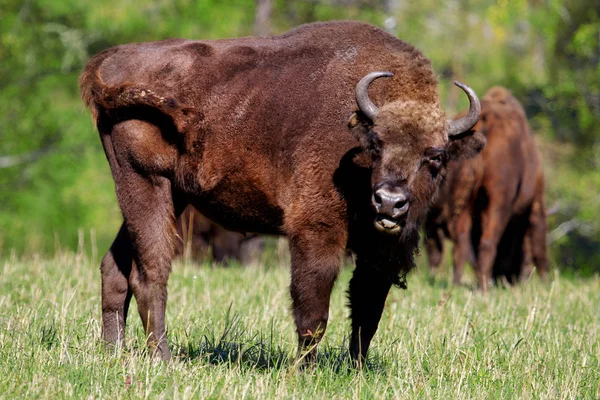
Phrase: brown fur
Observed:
(254, 133)
(492, 206)
(451, 216)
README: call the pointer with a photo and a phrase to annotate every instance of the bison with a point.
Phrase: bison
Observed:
(331, 134)
(492, 206)
(198, 234)
(451, 215)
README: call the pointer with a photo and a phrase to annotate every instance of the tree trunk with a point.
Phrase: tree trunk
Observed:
(262, 22)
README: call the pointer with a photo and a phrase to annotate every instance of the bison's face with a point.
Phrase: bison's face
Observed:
(410, 144)
(408, 158)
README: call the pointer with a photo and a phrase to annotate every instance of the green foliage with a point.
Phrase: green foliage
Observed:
(547, 53)
(533, 341)
(575, 69)
(572, 193)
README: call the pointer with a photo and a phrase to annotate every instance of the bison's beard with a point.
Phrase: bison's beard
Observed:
(409, 231)
(409, 245)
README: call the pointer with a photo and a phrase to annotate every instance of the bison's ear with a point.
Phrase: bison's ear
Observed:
(465, 146)
(360, 129)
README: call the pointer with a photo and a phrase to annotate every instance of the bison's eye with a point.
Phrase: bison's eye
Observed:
(436, 162)
(374, 146)
(375, 150)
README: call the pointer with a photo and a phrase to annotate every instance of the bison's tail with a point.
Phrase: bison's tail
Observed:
(98, 96)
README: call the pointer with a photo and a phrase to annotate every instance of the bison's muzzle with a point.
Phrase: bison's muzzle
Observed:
(392, 204)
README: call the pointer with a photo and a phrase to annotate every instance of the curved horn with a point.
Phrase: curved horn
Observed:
(468, 121)
(362, 94)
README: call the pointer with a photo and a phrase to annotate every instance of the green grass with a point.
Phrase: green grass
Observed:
(233, 337)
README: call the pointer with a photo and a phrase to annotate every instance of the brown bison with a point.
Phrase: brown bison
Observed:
(451, 215)
(492, 206)
(198, 234)
(285, 135)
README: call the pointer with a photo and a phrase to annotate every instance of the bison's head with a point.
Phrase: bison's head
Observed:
(410, 143)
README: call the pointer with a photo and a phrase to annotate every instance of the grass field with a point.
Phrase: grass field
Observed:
(233, 337)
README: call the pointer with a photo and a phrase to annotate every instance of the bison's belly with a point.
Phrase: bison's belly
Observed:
(241, 206)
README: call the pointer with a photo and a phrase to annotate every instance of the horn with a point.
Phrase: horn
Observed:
(362, 94)
(468, 121)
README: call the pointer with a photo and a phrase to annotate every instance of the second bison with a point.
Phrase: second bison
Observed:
(492, 206)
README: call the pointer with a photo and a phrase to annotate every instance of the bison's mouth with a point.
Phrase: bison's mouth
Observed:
(386, 224)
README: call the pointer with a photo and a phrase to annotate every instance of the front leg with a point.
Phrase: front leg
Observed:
(434, 240)
(316, 260)
(367, 292)
(463, 249)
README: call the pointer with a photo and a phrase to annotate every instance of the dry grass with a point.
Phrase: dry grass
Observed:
(232, 332)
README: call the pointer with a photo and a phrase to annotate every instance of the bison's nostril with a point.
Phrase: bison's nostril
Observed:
(377, 200)
(399, 206)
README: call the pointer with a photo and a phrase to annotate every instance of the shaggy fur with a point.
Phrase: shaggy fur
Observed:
(492, 206)
(264, 135)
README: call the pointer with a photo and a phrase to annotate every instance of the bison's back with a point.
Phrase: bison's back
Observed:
(512, 161)
(311, 65)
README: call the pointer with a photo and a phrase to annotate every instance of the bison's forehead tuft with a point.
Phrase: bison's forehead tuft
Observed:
(497, 93)
(419, 122)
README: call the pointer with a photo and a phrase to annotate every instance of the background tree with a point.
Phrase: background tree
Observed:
(262, 24)
(55, 181)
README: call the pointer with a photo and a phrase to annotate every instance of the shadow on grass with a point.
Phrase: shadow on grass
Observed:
(236, 347)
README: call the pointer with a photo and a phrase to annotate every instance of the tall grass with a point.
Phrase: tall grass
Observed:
(232, 335)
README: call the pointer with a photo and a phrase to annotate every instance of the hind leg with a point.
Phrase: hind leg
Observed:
(150, 219)
(147, 203)
(116, 293)
(537, 231)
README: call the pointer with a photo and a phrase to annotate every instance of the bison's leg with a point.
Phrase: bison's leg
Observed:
(434, 246)
(434, 241)
(225, 245)
(251, 250)
(315, 265)
(537, 237)
(367, 292)
(527, 263)
(150, 220)
(146, 201)
(116, 293)
(493, 223)
(462, 250)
